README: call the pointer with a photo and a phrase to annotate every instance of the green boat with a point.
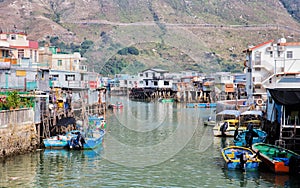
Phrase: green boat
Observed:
(278, 159)
(166, 100)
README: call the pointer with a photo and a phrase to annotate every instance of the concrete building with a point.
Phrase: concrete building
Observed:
(267, 62)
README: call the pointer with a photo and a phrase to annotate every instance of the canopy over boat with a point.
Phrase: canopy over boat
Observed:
(235, 113)
(252, 112)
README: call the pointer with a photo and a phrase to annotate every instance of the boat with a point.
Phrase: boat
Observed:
(227, 122)
(278, 159)
(59, 141)
(207, 105)
(209, 123)
(118, 105)
(234, 156)
(240, 140)
(166, 100)
(201, 105)
(86, 141)
(252, 116)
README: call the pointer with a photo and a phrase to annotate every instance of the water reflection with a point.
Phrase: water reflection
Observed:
(242, 178)
(197, 164)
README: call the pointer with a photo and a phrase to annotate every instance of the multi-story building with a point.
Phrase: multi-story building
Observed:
(267, 62)
(22, 70)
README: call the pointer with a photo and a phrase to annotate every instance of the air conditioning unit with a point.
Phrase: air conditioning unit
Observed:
(270, 48)
(280, 48)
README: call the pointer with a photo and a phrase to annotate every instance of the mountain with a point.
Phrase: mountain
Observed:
(206, 36)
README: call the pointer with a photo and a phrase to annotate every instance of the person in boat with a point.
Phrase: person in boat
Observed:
(224, 127)
(209, 118)
(236, 132)
(250, 134)
(243, 160)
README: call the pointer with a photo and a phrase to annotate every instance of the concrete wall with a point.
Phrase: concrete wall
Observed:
(17, 132)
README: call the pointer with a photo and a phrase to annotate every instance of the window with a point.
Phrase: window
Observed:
(146, 82)
(70, 77)
(59, 62)
(155, 83)
(20, 53)
(13, 37)
(257, 59)
(166, 83)
(147, 74)
(289, 54)
(271, 53)
(257, 69)
(55, 77)
(257, 87)
(141, 82)
(141, 75)
(35, 56)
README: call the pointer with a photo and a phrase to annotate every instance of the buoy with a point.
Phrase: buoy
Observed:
(259, 102)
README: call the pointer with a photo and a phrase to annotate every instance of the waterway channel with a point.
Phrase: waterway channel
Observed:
(146, 145)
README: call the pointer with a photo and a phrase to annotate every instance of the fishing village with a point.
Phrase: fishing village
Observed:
(49, 97)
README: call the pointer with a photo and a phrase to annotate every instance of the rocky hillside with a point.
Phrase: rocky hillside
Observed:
(200, 35)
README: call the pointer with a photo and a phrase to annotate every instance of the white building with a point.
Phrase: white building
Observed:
(267, 62)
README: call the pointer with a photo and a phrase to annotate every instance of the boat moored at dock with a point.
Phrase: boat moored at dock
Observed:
(242, 158)
(278, 159)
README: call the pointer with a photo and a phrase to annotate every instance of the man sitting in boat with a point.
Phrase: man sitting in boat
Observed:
(209, 118)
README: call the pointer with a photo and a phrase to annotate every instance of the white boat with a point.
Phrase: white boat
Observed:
(252, 116)
(227, 122)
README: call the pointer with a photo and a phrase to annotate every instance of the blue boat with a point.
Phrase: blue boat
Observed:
(86, 141)
(59, 141)
(207, 105)
(242, 158)
(240, 140)
(201, 105)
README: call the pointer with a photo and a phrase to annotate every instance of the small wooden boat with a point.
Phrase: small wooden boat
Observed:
(227, 121)
(166, 100)
(207, 105)
(237, 157)
(240, 140)
(91, 141)
(59, 141)
(278, 159)
(209, 123)
(118, 105)
(201, 105)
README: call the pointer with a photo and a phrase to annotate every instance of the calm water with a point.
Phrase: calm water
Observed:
(146, 145)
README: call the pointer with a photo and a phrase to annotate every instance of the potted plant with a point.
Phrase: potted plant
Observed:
(13, 100)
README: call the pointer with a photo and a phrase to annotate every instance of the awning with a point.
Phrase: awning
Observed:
(252, 112)
(286, 96)
(235, 113)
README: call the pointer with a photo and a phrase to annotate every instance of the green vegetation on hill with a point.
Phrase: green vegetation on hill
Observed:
(127, 36)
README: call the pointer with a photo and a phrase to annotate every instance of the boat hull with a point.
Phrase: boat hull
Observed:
(277, 159)
(87, 143)
(241, 141)
(229, 131)
(51, 143)
(231, 156)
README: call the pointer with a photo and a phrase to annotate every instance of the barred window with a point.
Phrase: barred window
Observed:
(289, 54)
